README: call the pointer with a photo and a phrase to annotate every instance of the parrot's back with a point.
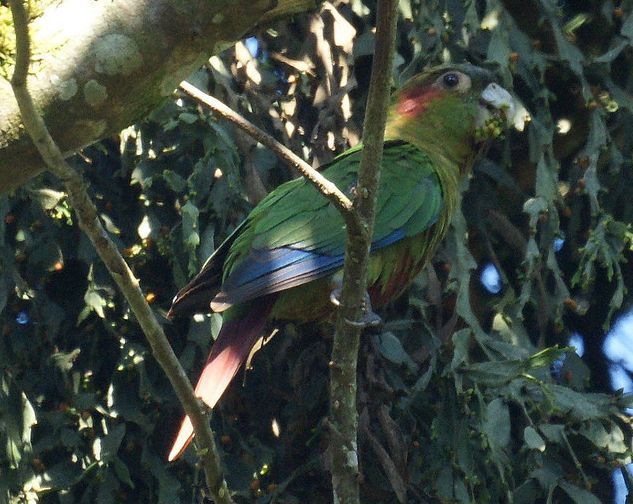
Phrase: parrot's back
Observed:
(292, 244)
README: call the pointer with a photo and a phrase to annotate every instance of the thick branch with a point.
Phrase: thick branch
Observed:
(118, 268)
(347, 338)
(101, 66)
(327, 188)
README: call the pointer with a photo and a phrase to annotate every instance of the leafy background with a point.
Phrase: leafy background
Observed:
(462, 398)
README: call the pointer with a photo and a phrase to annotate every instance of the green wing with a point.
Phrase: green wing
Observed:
(295, 235)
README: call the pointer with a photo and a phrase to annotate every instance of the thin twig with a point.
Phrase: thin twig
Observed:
(388, 465)
(327, 188)
(343, 381)
(119, 270)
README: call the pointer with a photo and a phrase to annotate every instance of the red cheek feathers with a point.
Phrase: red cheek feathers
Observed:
(415, 101)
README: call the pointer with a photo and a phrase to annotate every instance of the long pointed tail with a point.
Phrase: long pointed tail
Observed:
(230, 350)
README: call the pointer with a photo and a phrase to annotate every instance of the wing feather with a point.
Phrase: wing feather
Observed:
(300, 236)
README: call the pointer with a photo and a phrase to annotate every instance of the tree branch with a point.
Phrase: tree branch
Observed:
(327, 188)
(102, 66)
(346, 344)
(89, 222)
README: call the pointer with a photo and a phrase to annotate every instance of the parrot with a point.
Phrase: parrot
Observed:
(283, 262)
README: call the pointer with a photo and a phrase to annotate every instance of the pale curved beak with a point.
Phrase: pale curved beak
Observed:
(497, 98)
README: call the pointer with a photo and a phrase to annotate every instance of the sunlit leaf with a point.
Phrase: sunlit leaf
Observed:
(533, 439)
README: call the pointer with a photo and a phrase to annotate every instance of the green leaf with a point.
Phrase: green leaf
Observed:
(225, 141)
(58, 476)
(391, 349)
(494, 373)
(546, 357)
(216, 324)
(122, 472)
(124, 400)
(627, 27)
(497, 423)
(18, 417)
(567, 51)
(174, 181)
(548, 474)
(70, 438)
(533, 439)
(168, 485)
(461, 342)
(611, 440)
(575, 372)
(534, 207)
(527, 493)
(445, 483)
(499, 49)
(364, 45)
(577, 494)
(625, 400)
(581, 406)
(110, 444)
(423, 381)
(190, 236)
(553, 432)
(188, 118)
(109, 486)
(461, 492)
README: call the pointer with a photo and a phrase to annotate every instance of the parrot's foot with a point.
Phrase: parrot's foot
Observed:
(369, 320)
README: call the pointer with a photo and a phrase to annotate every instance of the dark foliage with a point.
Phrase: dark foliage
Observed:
(462, 396)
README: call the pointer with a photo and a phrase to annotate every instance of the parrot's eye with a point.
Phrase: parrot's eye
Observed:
(451, 80)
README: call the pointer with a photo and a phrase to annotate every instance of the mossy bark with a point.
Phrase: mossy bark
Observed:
(100, 66)
(346, 344)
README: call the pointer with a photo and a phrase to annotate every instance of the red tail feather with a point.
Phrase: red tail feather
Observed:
(230, 350)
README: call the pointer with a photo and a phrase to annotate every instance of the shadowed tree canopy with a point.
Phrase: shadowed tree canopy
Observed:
(463, 395)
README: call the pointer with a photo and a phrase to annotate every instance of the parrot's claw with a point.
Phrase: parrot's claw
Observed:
(370, 319)
(335, 296)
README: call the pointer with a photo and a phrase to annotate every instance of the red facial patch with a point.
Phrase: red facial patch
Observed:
(415, 101)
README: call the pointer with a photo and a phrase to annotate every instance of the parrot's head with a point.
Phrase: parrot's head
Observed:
(449, 110)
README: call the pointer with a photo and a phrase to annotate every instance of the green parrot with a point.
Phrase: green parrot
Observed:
(284, 261)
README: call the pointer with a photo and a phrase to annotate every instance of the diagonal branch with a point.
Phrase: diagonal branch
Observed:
(327, 188)
(343, 385)
(119, 270)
